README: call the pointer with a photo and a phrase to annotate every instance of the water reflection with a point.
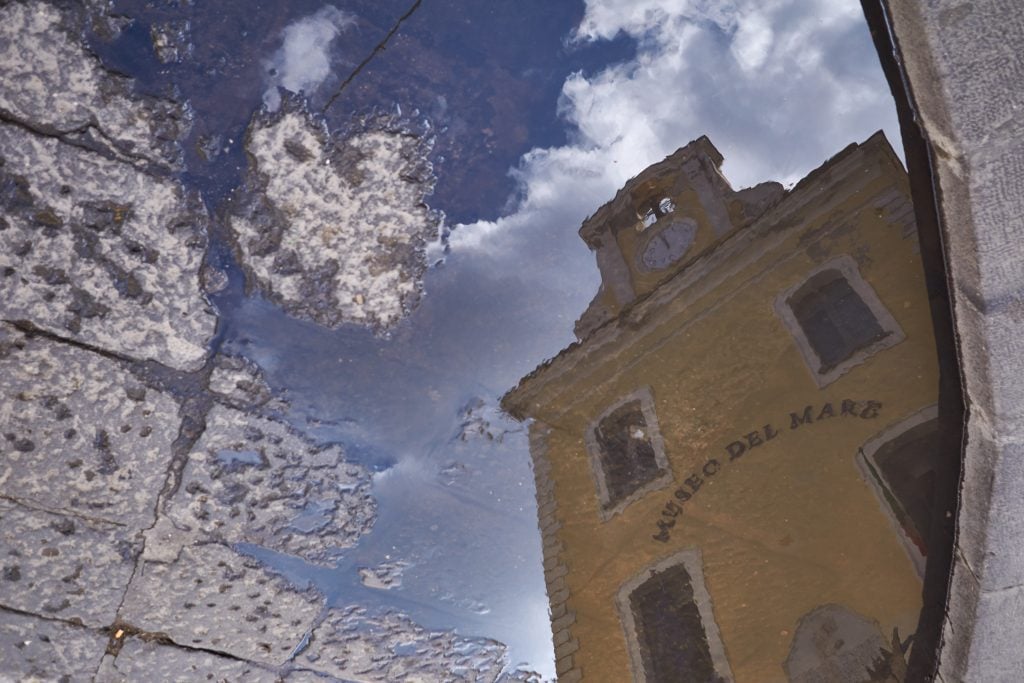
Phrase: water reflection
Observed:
(577, 98)
(734, 464)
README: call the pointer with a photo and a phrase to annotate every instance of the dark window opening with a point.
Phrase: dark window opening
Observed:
(670, 633)
(656, 209)
(834, 318)
(626, 451)
(904, 469)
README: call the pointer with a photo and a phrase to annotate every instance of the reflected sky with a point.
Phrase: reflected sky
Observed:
(541, 111)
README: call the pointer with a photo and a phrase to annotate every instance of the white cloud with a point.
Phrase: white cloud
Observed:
(303, 61)
(778, 86)
(752, 43)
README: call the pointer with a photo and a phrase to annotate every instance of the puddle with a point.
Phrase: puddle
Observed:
(672, 441)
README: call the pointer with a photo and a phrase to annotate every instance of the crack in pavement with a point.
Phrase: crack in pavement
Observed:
(380, 47)
(110, 151)
(70, 622)
(38, 507)
(30, 330)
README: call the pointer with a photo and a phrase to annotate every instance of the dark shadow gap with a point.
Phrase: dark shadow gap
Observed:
(952, 411)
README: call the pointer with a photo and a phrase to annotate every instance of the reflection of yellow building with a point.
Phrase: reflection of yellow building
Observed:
(733, 463)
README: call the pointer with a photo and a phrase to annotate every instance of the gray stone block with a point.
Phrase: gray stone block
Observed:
(212, 598)
(962, 61)
(567, 648)
(572, 676)
(252, 480)
(993, 362)
(995, 646)
(80, 434)
(975, 47)
(41, 650)
(334, 230)
(351, 644)
(141, 660)
(991, 514)
(63, 567)
(958, 626)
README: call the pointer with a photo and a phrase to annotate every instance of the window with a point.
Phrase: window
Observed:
(655, 210)
(836, 319)
(899, 464)
(835, 644)
(667, 616)
(626, 453)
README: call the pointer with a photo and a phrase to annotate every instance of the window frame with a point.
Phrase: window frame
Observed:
(847, 268)
(871, 473)
(604, 509)
(693, 562)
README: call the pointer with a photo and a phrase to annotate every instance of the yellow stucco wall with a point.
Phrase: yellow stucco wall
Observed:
(791, 524)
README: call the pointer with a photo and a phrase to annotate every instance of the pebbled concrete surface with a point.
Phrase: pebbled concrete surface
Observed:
(97, 241)
(256, 481)
(34, 649)
(148, 660)
(240, 383)
(81, 435)
(87, 452)
(351, 644)
(131, 462)
(63, 91)
(210, 597)
(63, 567)
(101, 252)
(334, 229)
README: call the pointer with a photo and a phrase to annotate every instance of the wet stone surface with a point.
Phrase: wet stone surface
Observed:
(255, 481)
(146, 660)
(334, 229)
(63, 567)
(239, 383)
(352, 644)
(41, 650)
(63, 91)
(80, 434)
(95, 250)
(172, 41)
(100, 252)
(97, 243)
(118, 516)
(384, 576)
(209, 597)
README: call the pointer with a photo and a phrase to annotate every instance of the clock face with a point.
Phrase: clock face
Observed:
(669, 244)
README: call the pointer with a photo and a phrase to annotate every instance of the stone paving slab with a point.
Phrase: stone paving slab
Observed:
(140, 660)
(62, 89)
(41, 650)
(97, 241)
(352, 644)
(95, 250)
(63, 567)
(252, 480)
(334, 230)
(79, 434)
(239, 382)
(210, 597)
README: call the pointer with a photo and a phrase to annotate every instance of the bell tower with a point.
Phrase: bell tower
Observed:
(660, 220)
